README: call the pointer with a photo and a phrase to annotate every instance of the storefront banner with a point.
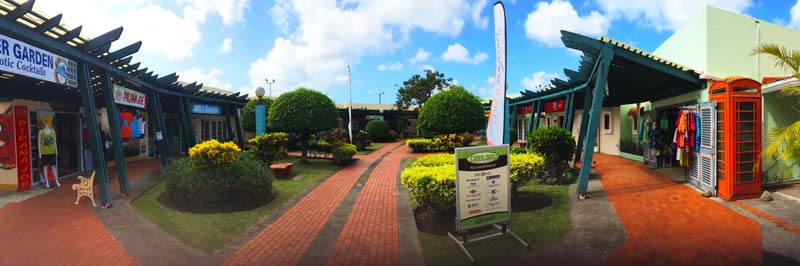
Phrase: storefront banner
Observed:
(8, 151)
(554, 106)
(22, 130)
(24, 59)
(375, 117)
(495, 130)
(208, 109)
(527, 109)
(482, 186)
(129, 97)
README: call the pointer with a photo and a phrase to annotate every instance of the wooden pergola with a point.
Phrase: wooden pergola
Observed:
(99, 69)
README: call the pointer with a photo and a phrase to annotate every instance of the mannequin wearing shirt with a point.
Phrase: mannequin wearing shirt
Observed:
(48, 153)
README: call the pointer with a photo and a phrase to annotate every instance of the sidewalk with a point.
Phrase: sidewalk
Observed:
(671, 224)
(50, 230)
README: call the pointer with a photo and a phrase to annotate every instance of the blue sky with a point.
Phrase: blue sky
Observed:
(236, 44)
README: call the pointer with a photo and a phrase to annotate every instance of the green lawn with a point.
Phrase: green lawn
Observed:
(536, 227)
(369, 149)
(210, 231)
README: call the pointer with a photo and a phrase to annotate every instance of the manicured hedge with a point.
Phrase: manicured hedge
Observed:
(435, 160)
(420, 145)
(271, 146)
(343, 153)
(378, 130)
(446, 142)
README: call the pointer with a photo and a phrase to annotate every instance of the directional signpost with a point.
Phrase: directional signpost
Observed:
(483, 195)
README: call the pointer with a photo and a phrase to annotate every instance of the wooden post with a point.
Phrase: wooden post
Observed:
(184, 124)
(531, 128)
(116, 136)
(571, 112)
(537, 114)
(587, 103)
(228, 130)
(187, 109)
(95, 143)
(237, 121)
(163, 148)
(594, 118)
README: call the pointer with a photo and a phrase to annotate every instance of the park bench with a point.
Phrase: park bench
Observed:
(84, 188)
(281, 170)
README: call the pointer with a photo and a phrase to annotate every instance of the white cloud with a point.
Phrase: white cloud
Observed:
(485, 90)
(427, 67)
(794, 13)
(227, 46)
(162, 30)
(390, 66)
(665, 14)
(538, 80)
(420, 57)
(545, 22)
(321, 37)
(210, 78)
(458, 53)
(475, 12)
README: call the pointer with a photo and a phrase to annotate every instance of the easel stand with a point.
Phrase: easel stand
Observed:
(503, 231)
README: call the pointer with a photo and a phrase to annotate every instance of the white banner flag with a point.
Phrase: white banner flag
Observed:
(495, 129)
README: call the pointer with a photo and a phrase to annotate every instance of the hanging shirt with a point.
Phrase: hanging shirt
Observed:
(691, 128)
(125, 124)
(142, 128)
(47, 142)
(135, 133)
(697, 130)
(680, 130)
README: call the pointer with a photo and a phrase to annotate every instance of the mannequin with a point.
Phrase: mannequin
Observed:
(48, 152)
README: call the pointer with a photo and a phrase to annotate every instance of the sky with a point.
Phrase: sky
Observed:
(237, 44)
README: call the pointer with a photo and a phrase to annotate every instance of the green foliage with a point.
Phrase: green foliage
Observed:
(303, 112)
(524, 167)
(378, 130)
(555, 144)
(334, 135)
(420, 145)
(519, 150)
(343, 153)
(512, 133)
(270, 147)
(249, 113)
(432, 187)
(320, 147)
(393, 135)
(417, 89)
(434, 160)
(784, 143)
(244, 181)
(453, 111)
(361, 139)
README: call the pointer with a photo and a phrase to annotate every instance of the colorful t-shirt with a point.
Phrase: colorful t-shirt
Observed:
(126, 123)
(135, 133)
(47, 142)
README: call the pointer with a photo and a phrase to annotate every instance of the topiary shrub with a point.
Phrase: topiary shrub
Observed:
(320, 147)
(303, 112)
(343, 153)
(433, 188)
(212, 154)
(420, 145)
(361, 139)
(378, 130)
(557, 146)
(270, 147)
(452, 111)
(244, 182)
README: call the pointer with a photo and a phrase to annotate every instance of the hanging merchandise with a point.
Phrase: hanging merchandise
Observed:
(126, 120)
(697, 130)
(135, 133)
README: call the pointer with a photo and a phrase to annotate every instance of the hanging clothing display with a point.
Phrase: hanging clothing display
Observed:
(126, 120)
(135, 133)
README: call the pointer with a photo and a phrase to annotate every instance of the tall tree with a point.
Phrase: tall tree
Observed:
(784, 143)
(417, 89)
(303, 112)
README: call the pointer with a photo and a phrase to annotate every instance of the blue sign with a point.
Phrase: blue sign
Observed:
(208, 109)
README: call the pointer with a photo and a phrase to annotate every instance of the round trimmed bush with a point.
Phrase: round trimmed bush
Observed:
(555, 144)
(343, 153)
(453, 111)
(303, 112)
(378, 130)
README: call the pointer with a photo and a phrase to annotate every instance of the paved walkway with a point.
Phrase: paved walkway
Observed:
(285, 241)
(671, 224)
(50, 230)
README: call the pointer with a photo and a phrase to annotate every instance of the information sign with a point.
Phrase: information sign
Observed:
(482, 186)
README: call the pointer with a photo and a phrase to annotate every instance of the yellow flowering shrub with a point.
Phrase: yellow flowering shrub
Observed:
(432, 187)
(212, 154)
(435, 160)
(524, 167)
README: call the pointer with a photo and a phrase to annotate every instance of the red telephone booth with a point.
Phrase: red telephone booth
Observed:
(738, 137)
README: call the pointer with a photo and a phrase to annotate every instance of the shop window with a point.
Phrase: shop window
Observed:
(561, 121)
(522, 129)
(213, 129)
(635, 125)
(607, 123)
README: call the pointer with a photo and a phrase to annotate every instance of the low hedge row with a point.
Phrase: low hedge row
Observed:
(431, 179)
(343, 153)
(447, 143)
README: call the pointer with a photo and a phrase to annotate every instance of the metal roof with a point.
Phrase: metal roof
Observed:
(20, 20)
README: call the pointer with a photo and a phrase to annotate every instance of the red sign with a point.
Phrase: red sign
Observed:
(555, 106)
(8, 151)
(22, 128)
(527, 109)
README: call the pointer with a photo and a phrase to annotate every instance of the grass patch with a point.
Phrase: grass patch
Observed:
(210, 231)
(536, 227)
(369, 149)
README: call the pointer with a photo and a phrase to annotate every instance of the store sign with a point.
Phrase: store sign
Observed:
(129, 97)
(555, 106)
(24, 59)
(527, 109)
(208, 109)
(375, 117)
(22, 128)
(482, 186)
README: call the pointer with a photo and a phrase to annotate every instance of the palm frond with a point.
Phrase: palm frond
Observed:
(784, 59)
(780, 141)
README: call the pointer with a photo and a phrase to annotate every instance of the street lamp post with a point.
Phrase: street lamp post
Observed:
(261, 113)
(379, 97)
(270, 86)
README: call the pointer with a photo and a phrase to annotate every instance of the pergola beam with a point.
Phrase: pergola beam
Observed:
(48, 24)
(103, 39)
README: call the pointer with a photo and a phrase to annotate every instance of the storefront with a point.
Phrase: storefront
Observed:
(71, 104)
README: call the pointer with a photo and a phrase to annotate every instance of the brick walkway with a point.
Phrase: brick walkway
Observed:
(671, 224)
(286, 240)
(370, 236)
(49, 230)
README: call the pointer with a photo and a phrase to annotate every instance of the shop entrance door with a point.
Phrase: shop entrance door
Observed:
(69, 137)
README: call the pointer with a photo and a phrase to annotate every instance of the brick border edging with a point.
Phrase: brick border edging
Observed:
(410, 248)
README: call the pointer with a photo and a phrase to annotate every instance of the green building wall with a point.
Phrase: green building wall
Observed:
(779, 113)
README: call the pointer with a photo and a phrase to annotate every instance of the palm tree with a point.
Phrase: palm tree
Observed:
(784, 141)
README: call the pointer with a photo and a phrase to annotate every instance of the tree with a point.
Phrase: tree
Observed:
(417, 89)
(452, 111)
(249, 113)
(784, 142)
(303, 112)
(378, 130)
